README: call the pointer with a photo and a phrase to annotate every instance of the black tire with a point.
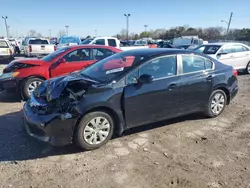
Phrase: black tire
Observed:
(79, 132)
(25, 85)
(208, 109)
(248, 68)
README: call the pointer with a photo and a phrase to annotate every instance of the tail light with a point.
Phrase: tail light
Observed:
(54, 48)
(235, 72)
(11, 52)
(30, 49)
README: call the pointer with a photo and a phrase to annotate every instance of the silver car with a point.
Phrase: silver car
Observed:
(235, 54)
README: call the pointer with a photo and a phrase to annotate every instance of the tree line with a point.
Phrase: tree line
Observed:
(211, 33)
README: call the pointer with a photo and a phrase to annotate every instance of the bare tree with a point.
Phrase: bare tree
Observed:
(32, 33)
(61, 33)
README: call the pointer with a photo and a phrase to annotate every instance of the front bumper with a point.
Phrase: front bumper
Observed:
(9, 84)
(51, 128)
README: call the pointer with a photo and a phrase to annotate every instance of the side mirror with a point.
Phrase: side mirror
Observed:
(61, 61)
(145, 79)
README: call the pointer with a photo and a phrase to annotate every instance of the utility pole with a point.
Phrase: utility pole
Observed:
(67, 29)
(6, 25)
(50, 33)
(127, 16)
(229, 23)
(145, 28)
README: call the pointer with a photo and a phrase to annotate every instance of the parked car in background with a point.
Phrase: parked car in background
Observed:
(68, 41)
(25, 42)
(16, 45)
(186, 42)
(53, 40)
(112, 41)
(234, 54)
(38, 47)
(126, 90)
(26, 74)
(6, 50)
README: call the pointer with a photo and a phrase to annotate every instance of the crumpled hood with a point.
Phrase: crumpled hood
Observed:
(53, 88)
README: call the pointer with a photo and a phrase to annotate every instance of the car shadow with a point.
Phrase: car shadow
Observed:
(17, 145)
(6, 97)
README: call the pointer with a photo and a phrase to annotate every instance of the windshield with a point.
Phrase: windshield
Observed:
(111, 67)
(207, 49)
(54, 54)
(66, 40)
(87, 41)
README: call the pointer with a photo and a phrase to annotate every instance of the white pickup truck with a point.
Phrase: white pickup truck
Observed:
(37, 47)
(111, 41)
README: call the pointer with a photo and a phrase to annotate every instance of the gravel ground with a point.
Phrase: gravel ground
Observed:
(186, 152)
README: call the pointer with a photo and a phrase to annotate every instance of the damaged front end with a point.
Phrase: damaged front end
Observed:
(52, 111)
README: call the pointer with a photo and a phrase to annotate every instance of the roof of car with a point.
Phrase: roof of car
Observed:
(92, 46)
(221, 43)
(156, 51)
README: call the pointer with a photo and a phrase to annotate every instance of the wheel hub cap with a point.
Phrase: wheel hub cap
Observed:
(33, 86)
(96, 131)
(218, 103)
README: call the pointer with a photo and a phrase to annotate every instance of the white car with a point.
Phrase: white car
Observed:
(235, 54)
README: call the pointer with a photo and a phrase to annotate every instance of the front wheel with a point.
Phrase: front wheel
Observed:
(94, 130)
(217, 103)
(29, 86)
(248, 68)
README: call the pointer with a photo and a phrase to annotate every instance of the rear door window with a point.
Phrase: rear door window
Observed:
(100, 42)
(101, 53)
(240, 48)
(192, 63)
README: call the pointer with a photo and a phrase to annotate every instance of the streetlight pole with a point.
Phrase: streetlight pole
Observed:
(6, 25)
(8, 31)
(145, 28)
(50, 33)
(95, 33)
(67, 29)
(127, 16)
(228, 23)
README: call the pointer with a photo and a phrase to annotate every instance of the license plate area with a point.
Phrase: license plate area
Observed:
(42, 47)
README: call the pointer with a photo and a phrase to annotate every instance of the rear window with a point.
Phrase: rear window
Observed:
(3, 44)
(38, 41)
(66, 40)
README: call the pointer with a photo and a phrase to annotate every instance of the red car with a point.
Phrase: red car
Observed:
(25, 75)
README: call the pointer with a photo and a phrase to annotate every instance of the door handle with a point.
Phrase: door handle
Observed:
(172, 86)
(209, 78)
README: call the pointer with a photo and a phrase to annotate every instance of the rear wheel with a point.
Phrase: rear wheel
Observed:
(94, 130)
(248, 68)
(216, 104)
(29, 86)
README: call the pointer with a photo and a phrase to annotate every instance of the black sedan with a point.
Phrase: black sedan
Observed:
(126, 90)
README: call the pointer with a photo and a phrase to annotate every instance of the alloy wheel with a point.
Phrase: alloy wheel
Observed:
(218, 103)
(96, 131)
(33, 85)
(248, 68)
